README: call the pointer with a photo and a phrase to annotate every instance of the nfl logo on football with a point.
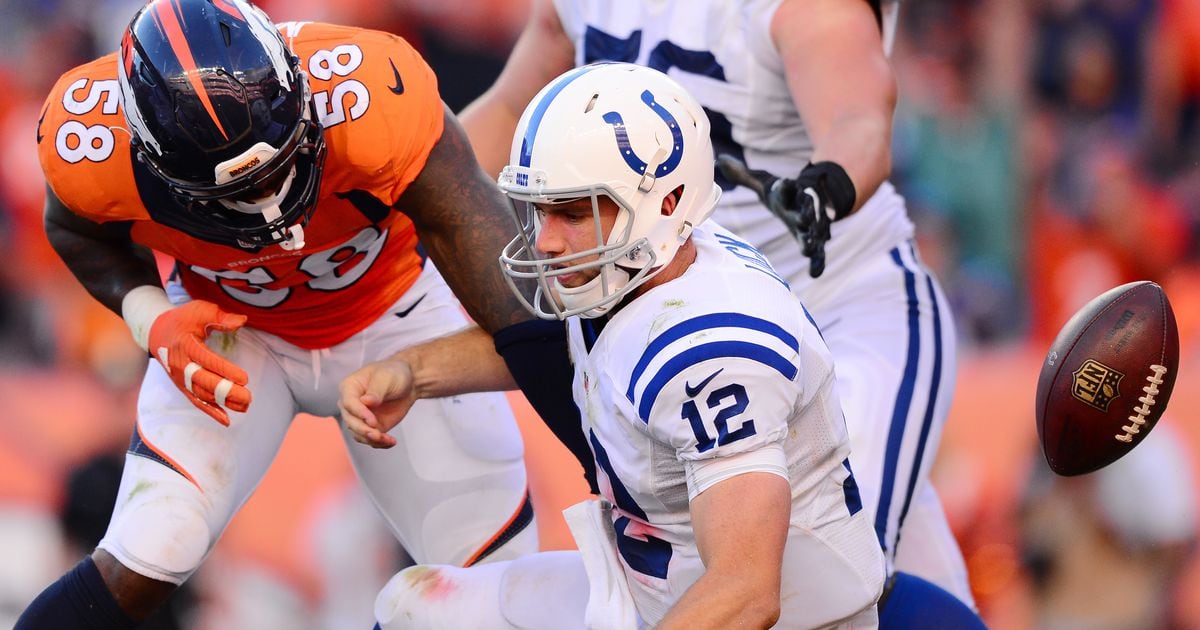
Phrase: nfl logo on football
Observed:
(1096, 384)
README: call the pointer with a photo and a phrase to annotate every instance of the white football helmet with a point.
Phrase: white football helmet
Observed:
(615, 129)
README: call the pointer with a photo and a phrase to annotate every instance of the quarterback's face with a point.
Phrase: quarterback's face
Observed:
(573, 227)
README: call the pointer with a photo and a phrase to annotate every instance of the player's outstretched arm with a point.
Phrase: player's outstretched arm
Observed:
(741, 528)
(464, 222)
(542, 52)
(535, 350)
(122, 275)
(375, 398)
(842, 84)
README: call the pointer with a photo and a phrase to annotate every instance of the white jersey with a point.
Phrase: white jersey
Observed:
(721, 51)
(880, 311)
(713, 374)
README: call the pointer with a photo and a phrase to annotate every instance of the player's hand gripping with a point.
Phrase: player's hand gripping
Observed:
(821, 194)
(212, 382)
(376, 398)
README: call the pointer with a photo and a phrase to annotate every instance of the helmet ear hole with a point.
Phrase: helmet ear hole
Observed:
(671, 201)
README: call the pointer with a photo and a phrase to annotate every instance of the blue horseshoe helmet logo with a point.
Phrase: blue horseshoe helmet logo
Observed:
(631, 158)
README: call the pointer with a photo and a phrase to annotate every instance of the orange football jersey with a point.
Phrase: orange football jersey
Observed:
(379, 104)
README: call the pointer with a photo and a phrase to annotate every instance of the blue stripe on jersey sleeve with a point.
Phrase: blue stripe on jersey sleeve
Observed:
(704, 352)
(706, 322)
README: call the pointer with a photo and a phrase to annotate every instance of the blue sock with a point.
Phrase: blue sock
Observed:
(916, 603)
(79, 600)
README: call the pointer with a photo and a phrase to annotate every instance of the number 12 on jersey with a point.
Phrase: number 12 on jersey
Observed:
(739, 400)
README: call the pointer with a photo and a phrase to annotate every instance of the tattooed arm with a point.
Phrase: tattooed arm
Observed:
(464, 221)
(101, 255)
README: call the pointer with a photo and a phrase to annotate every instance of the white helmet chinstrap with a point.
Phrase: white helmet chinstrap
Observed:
(615, 129)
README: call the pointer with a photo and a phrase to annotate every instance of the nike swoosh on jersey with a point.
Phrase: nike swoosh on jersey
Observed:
(692, 391)
(39, 126)
(405, 312)
(397, 89)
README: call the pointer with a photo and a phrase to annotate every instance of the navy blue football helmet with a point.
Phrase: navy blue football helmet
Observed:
(220, 111)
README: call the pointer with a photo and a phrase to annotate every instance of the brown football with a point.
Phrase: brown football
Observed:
(1107, 378)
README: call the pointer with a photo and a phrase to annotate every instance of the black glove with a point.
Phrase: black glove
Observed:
(821, 194)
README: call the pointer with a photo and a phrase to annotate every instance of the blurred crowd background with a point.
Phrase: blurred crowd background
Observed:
(1049, 150)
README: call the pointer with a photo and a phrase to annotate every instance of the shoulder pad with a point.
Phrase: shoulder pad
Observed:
(83, 144)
